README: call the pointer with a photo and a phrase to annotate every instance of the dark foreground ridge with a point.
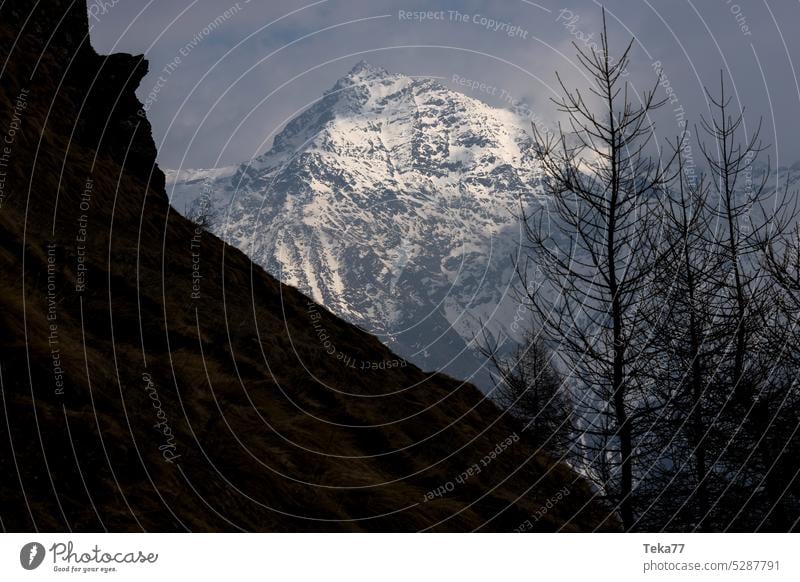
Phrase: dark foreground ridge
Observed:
(154, 379)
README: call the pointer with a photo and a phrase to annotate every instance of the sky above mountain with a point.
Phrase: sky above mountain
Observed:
(226, 76)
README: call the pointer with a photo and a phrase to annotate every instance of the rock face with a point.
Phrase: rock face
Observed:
(153, 378)
(390, 201)
(126, 134)
(99, 89)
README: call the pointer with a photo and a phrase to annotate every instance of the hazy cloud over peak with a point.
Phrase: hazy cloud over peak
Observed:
(225, 76)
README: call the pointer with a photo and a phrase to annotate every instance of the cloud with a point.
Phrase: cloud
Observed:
(243, 68)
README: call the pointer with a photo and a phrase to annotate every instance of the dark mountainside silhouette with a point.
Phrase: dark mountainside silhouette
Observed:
(154, 379)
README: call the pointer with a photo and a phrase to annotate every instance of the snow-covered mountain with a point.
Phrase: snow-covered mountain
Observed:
(390, 201)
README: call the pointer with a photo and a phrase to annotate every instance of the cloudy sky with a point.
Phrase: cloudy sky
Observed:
(225, 76)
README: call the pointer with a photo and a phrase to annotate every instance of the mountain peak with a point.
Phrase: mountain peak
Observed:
(366, 198)
(363, 69)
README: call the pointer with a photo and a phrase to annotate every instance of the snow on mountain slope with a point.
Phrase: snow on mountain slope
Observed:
(187, 185)
(390, 201)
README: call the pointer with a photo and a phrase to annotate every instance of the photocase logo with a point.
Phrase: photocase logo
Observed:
(32, 555)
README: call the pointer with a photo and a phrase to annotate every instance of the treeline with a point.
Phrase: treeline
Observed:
(663, 358)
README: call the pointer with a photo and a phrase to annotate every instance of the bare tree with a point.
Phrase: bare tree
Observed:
(530, 388)
(685, 349)
(731, 163)
(781, 438)
(590, 245)
(748, 217)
